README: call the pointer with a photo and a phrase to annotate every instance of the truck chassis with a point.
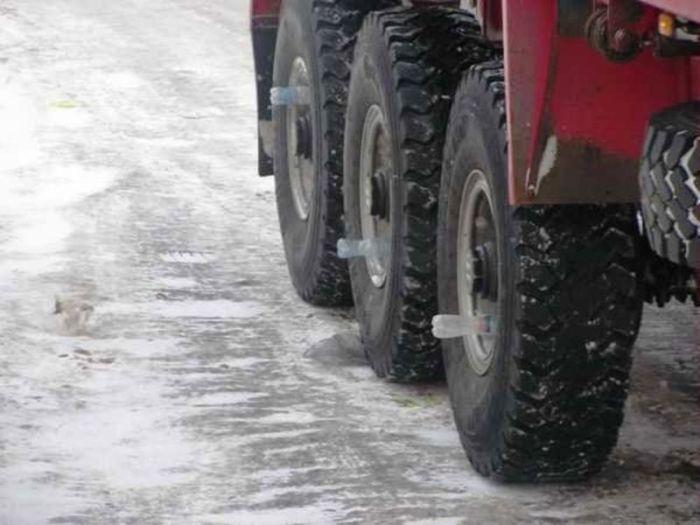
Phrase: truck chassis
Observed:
(497, 187)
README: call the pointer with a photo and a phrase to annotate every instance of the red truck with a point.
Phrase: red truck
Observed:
(515, 177)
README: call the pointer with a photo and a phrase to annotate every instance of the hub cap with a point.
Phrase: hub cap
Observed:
(374, 193)
(477, 267)
(300, 144)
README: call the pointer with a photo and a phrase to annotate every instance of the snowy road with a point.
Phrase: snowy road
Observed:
(201, 390)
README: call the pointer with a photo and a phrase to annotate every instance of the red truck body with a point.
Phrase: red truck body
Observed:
(576, 117)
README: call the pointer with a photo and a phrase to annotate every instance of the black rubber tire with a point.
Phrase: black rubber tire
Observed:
(570, 304)
(408, 62)
(322, 32)
(670, 183)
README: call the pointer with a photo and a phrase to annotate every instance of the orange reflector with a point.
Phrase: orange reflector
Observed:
(667, 25)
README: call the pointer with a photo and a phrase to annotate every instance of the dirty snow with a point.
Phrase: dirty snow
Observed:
(202, 390)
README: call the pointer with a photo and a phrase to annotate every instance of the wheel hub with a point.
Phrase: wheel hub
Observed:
(300, 144)
(485, 273)
(477, 270)
(304, 136)
(374, 193)
(379, 207)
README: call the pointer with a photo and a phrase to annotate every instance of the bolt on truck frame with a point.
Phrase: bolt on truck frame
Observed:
(514, 177)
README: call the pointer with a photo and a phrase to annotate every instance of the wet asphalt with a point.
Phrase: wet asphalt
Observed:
(182, 380)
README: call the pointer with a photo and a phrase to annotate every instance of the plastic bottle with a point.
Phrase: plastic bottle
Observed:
(453, 326)
(348, 249)
(290, 96)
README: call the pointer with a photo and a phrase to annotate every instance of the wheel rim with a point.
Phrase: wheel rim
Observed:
(374, 193)
(477, 268)
(300, 144)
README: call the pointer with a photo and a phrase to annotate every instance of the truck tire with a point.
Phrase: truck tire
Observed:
(407, 65)
(670, 184)
(314, 51)
(542, 396)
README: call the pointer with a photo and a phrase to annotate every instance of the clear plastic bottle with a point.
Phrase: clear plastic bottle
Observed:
(453, 326)
(348, 249)
(290, 96)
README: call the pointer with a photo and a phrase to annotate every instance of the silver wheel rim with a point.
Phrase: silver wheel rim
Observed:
(301, 167)
(476, 231)
(375, 165)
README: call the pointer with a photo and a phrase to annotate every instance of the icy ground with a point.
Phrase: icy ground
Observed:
(183, 381)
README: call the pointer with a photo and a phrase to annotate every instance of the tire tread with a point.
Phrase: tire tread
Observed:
(578, 315)
(667, 177)
(429, 49)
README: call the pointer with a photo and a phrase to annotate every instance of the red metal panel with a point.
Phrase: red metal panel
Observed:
(265, 7)
(577, 119)
(686, 8)
(489, 13)
(529, 31)
(695, 78)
